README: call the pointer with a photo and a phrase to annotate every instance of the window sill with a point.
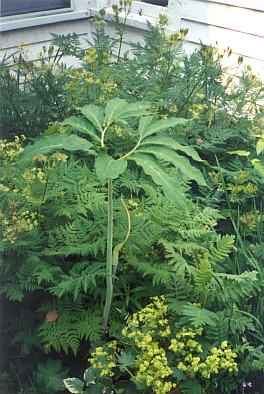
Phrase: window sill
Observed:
(141, 13)
(39, 18)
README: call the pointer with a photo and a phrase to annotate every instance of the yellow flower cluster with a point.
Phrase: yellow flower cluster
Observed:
(152, 366)
(104, 358)
(150, 337)
(10, 150)
(151, 316)
(151, 362)
(188, 355)
(18, 223)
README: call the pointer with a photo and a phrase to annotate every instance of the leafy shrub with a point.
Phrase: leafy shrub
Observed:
(205, 257)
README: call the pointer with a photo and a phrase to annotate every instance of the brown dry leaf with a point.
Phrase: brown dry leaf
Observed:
(51, 316)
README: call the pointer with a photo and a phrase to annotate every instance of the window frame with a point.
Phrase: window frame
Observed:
(12, 8)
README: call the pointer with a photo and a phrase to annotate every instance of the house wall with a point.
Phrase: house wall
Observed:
(235, 24)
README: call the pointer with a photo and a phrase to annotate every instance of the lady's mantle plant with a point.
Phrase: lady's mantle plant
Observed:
(157, 355)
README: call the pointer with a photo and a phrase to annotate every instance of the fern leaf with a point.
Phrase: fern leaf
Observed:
(223, 247)
(199, 316)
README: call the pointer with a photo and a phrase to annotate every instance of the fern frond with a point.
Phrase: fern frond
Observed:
(218, 333)
(222, 249)
(73, 324)
(198, 316)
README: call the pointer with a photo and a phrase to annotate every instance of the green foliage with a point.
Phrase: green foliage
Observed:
(158, 356)
(50, 375)
(182, 139)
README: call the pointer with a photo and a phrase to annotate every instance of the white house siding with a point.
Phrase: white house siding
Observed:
(235, 24)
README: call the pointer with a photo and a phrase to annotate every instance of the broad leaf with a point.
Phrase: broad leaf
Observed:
(191, 385)
(83, 125)
(239, 153)
(258, 166)
(74, 385)
(107, 167)
(118, 109)
(114, 108)
(134, 109)
(178, 374)
(89, 376)
(260, 146)
(94, 114)
(170, 186)
(167, 154)
(165, 141)
(56, 141)
(163, 124)
(125, 360)
(51, 375)
(143, 124)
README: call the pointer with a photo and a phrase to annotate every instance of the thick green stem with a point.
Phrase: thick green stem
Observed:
(109, 258)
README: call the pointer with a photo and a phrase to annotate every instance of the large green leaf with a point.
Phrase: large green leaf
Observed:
(260, 146)
(143, 124)
(107, 167)
(114, 108)
(51, 374)
(89, 375)
(170, 186)
(118, 109)
(134, 109)
(167, 154)
(94, 114)
(162, 124)
(56, 141)
(74, 385)
(258, 166)
(165, 141)
(83, 125)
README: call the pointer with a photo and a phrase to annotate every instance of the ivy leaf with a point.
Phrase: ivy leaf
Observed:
(165, 141)
(126, 360)
(56, 141)
(107, 167)
(94, 114)
(178, 161)
(161, 125)
(74, 385)
(83, 125)
(170, 186)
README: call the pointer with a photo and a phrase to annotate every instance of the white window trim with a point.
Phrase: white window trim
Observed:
(82, 9)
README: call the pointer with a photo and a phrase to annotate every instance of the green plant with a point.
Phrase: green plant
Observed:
(49, 376)
(206, 258)
(156, 355)
(147, 148)
(6, 382)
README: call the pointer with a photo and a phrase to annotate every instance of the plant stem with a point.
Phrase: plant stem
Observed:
(109, 258)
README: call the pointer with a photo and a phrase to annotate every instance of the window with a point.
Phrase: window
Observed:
(15, 7)
(162, 3)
